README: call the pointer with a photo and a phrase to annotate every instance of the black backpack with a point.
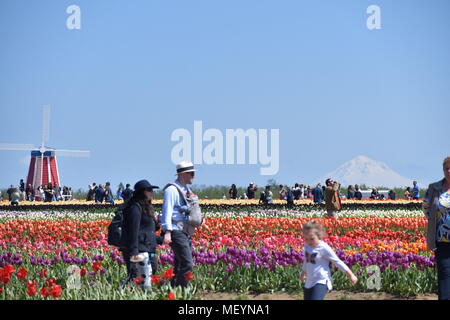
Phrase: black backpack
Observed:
(263, 197)
(116, 225)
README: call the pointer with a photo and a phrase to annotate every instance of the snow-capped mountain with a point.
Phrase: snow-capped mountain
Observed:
(372, 173)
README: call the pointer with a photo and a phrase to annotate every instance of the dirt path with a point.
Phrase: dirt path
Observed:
(334, 295)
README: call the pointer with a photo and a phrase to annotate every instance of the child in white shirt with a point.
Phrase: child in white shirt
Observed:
(315, 269)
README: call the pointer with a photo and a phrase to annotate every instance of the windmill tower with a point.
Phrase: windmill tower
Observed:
(43, 164)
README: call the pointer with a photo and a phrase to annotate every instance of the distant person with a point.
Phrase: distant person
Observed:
(296, 191)
(282, 192)
(391, 195)
(302, 192)
(119, 192)
(289, 196)
(374, 194)
(9, 192)
(233, 192)
(29, 193)
(15, 197)
(262, 198)
(41, 192)
(109, 197)
(65, 193)
(350, 192)
(57, 193)
(332, 199)
(48, 192)
(22, 190)
(90, 194)
(1, 196)
(436, 208)
(269, 195)
(99, 194)
(127, 193)
(408, 195)
(309, 193)
(358, 193)
(95, 188)
(318, 194)
(415, 191)
(251, 189)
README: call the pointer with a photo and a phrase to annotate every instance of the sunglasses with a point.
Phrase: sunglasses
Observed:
(149, 189)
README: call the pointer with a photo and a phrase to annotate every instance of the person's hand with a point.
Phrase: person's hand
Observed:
(136, 258)
(303, 276)
(353, 279)
(167, 238)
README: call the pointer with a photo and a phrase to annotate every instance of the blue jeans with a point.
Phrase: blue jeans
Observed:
(317, 292)
(183, 262)
(443, 267)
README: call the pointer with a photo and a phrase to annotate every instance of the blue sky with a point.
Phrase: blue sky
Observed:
(138, 70)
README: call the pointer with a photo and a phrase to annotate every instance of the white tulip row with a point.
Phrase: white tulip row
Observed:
(90, 216)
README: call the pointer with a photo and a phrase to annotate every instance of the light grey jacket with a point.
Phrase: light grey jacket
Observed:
(430, 209)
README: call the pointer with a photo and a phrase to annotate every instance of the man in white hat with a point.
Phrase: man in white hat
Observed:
(172, 220)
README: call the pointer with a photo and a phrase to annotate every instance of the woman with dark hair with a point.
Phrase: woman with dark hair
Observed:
(138, 234)
(436, 207)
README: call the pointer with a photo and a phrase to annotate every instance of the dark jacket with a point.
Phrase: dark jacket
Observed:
(138, 233)
(358, 195)
(99, 195)
(127, 194)
(317, 194)
(108, 195)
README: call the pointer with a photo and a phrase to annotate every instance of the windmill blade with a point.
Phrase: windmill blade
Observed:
(17, 147)
(45, 123)
(72, 153)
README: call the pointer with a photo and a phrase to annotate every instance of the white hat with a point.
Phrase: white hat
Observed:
(185, 166)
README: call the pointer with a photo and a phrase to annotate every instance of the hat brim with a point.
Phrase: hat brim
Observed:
(190, 170)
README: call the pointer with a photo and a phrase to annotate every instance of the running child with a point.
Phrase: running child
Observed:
(316, 269)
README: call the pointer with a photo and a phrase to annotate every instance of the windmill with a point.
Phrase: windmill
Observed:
(43, 164)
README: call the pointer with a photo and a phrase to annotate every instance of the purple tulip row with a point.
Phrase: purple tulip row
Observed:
(235, 257)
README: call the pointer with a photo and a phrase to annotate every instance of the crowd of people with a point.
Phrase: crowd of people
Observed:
(317, 194)
(103, 193)
(46, 193)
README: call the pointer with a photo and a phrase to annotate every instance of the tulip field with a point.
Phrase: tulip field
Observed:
(61, 252)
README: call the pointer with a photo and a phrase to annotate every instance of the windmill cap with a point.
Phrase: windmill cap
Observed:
(185, 166)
